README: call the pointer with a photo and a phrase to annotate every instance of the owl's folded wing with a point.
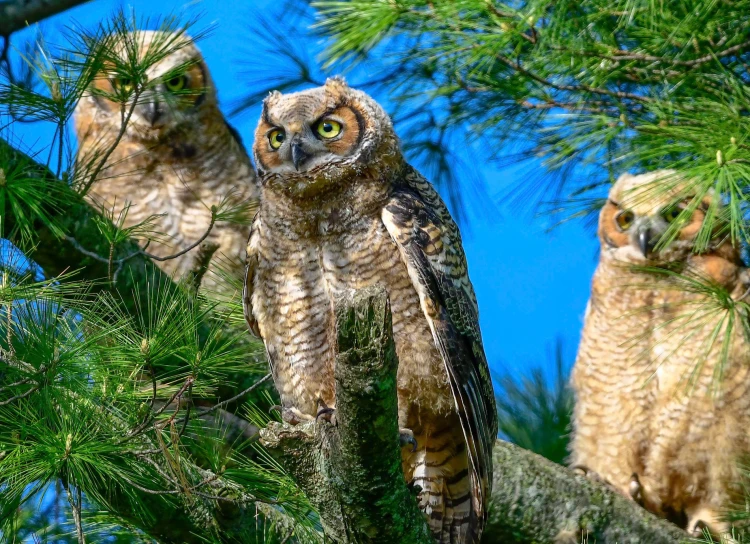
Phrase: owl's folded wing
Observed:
(430, 245)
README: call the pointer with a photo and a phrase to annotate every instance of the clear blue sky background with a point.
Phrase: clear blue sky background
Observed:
(532, 285)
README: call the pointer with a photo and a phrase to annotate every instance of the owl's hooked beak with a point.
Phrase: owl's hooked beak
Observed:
(647, 234)
(298, 154)
(153, 111)
(644, 241)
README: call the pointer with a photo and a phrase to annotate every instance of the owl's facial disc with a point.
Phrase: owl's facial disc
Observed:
(309, 136)
(636, 235)
(164, 100)
(301, 146)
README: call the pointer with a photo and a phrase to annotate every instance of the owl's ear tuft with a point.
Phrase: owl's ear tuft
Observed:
(337, 81)
(273, 95)
(268, 101)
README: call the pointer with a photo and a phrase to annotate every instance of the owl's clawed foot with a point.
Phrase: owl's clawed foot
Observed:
(698, 529)
(288, 415)
(325, 413)
(636, 489)
(583, 470)
(706, 522)
(406, 437)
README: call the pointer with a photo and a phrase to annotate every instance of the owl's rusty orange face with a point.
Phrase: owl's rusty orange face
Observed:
(643, 221)
(317, 128)
(163, 93)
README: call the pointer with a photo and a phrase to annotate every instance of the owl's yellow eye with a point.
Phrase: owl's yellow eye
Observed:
(671, 214)
(176, 84)
(276, 137)
(625, 219)
(328, 128)
(122, 84)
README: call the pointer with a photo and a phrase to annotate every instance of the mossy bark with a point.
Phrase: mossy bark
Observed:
(351, 469)
(536, 501)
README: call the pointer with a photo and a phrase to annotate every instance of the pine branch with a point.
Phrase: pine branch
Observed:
(57, 255)
(18, 14)
(236, 512)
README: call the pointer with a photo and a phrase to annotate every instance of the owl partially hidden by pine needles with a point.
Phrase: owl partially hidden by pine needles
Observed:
(173, 159)
(662, 378)
(341, 210)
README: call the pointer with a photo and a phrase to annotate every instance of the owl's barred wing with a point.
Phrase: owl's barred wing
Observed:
(250, 267)
(430, 244)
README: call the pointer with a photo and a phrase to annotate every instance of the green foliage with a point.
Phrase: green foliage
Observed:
(593, 88)
(534, 413)
(120, 412)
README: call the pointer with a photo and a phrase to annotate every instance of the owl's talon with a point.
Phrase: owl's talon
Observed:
(699, 529)
(406, 436)
(275, 408)
(636, 489)
(326, 413)
(583, 470)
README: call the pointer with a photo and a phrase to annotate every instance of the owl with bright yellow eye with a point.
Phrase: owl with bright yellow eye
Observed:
(176, 156)
(662, 383)
(341, 209)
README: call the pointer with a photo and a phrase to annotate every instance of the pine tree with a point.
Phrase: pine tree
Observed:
(585, 91)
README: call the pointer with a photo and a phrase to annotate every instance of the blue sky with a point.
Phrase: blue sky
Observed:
(532, 285)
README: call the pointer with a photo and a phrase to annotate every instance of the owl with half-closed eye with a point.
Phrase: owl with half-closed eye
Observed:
(341, 209)
(662, 382)
(174, 158)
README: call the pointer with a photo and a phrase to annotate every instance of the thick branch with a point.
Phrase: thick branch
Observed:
(536, 500)
(351, 471)
(18, 14)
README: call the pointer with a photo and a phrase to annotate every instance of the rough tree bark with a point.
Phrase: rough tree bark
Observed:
(18, 14)
(351, 470)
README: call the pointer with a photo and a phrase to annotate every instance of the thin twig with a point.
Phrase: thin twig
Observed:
(190, 247)
(237, 396)
(142, 251)
(21, 396)
(188, 383)
(76, 508)
(629, 55)
(124, 120)
(580, 87)
(16, 384)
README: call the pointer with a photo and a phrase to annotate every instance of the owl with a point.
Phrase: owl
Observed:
(176, 156)
(662, 384)
(341, 209)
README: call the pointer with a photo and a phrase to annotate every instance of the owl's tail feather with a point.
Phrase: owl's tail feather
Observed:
(440, 466)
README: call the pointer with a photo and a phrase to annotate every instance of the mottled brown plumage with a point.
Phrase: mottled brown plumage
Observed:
(177, 156)
(659, 412)
(341, 209)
